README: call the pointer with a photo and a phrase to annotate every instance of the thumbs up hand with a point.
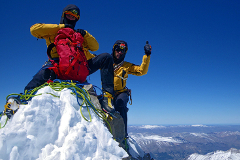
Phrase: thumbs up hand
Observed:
(147, 49)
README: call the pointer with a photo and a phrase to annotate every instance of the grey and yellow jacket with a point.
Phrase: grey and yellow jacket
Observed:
(49, 32)
(122, 70)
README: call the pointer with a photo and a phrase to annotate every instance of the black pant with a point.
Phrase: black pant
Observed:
(103, 61)
(42, 76)
(120, 104)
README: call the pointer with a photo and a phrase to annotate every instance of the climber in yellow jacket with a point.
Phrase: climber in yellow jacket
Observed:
(121, 71)
(104, 61)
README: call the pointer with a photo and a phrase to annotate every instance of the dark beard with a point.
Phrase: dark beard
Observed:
(121, 58)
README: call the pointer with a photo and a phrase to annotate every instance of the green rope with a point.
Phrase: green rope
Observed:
(5, 121)
(78, 91)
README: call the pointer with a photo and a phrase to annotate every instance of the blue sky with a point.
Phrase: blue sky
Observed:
(194, 73)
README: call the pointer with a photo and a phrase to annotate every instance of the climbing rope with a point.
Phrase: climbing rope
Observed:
(59, 85)
(1, 114)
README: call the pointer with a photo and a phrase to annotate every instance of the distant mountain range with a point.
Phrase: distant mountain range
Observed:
(179, 142)
(232, 154)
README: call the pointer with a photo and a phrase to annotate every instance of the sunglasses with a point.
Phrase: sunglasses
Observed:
(121, 47)
(118, 49)
(73, 14)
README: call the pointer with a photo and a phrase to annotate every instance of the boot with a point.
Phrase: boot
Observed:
(106, 103)
(11, 106)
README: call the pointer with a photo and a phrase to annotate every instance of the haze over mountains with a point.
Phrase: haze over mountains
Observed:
(179, 142)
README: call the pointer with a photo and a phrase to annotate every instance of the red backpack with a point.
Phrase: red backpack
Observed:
(72, 63)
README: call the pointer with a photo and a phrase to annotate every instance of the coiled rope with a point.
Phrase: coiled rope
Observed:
(59, 85)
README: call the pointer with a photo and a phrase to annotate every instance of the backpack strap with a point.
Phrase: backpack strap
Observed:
(50, 47)
(55, 65)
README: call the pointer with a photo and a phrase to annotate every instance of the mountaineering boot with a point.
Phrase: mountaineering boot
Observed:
(11, 106)
(106, 103)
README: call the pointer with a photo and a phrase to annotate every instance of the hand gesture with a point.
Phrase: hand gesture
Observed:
(147, 49)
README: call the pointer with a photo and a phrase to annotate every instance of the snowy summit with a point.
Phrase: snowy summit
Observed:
(51, 127)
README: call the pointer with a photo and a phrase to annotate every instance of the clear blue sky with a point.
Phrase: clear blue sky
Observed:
(194, 73)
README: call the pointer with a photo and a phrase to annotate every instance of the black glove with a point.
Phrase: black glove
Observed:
(69, 26)
(147, 49)
(81, 31)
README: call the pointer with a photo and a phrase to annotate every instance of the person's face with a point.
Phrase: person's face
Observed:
(70, 17)
(118, 53)
(120, 50)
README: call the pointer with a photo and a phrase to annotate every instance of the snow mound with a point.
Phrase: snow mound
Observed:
(52, 128)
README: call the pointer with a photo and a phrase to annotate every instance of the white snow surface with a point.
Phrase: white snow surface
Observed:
(164, 139)
(52, 128)
(151, 126)
(232, 154)
(139, 137)
(199, 125)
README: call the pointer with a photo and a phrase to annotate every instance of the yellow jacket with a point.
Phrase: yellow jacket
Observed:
(49, 32)
(121, 72)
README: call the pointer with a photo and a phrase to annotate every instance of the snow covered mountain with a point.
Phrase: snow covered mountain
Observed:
(233, 154)
(179, 142)
(52, 128)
